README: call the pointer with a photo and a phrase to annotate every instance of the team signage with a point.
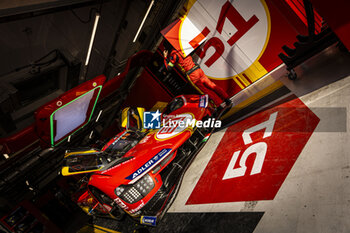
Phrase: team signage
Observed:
(235, 42)
(234, 34)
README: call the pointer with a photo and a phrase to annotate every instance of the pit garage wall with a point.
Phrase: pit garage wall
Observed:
(243, 37)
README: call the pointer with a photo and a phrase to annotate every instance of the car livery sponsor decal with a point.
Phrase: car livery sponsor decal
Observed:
(107, 207)
(148, 220)
(174, 126)
(148, 165)
(145, 139)
(116, 138)
(121, 203)
(118, 165)
(137, 208)
(203, 102)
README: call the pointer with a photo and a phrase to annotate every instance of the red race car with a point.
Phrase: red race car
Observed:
(138, 171)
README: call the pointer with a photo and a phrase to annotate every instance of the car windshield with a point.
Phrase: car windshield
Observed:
(124, 143)
(173, 105)
(84, 162)
(92, 160)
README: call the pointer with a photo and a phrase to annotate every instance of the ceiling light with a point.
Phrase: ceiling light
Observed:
(143, 21)
(97, 17)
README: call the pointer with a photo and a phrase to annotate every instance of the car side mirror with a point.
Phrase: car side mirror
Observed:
(132, 118)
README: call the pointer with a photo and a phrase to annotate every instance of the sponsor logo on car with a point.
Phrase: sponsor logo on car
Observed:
(149, 164)
(145, 139)
(148, 220)
(173, 126)
(107, 207)
(121, 203)
(203, 102)
(121, 164)
(137, 208)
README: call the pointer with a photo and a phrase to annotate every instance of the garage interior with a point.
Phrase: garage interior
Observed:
(49, 47)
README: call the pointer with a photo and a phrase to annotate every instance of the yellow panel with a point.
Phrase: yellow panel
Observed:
(242, 83)
(250, 75)
(188, 5)
(125, 117)
(80, 152)
(96, 229)
(141, 111)
(65, 171)
(85, 229)
(255, 71)
(99, 229)
(159, 106)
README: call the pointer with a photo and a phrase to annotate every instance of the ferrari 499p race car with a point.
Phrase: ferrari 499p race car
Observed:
(138, 172)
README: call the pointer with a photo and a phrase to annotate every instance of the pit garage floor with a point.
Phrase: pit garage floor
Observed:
(281, 164)
(296, 153)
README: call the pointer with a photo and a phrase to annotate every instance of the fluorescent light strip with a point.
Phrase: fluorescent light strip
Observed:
(143, 21)
(97, 17)
(98, 117)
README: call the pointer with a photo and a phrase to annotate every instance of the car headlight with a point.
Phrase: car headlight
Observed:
(135, 192)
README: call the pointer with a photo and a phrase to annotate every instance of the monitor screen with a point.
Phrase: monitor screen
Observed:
(72, 116)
